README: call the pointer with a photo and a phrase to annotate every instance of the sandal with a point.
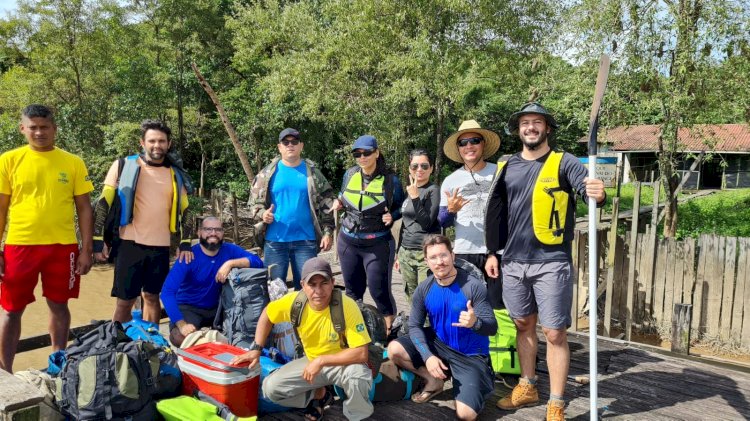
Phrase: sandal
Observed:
(425, 395)
(314, 410)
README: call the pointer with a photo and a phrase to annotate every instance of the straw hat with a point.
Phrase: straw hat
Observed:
(491, 141)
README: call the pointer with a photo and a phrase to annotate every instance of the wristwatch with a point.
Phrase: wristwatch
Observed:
(254, 346)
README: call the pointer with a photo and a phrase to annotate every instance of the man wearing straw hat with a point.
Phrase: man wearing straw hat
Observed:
(464, 196)
(531, 209)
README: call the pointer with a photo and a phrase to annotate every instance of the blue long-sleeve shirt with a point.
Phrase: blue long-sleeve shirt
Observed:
(195, 283)
(443, 305)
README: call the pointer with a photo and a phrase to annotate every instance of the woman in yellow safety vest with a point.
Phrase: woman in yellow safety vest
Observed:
(371, 196)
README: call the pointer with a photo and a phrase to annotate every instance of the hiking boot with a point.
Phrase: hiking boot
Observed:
(524, 394)
(556, 410)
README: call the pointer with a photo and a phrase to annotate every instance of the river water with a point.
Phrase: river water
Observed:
(94, 303)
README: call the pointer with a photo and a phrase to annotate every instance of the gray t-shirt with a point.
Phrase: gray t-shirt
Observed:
(469, 221)
(520, 176)
(419, 216)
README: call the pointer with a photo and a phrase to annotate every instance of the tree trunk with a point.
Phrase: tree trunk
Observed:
(227, 125)
(439, 143)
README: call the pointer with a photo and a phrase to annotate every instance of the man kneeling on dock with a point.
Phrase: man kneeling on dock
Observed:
(191, 291)
(456, 344)
(330, 359)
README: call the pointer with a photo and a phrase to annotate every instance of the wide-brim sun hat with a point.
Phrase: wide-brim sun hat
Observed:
(531, 108)
(491, 141)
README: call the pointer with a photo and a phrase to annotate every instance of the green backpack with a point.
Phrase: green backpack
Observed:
(503, 351)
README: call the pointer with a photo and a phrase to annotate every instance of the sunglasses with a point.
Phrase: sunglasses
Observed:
(470, 140)
(363, 153)
(425, 166)
(293, 142)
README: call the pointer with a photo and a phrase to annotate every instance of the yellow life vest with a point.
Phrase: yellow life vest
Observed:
(364, 200)
(549, 201)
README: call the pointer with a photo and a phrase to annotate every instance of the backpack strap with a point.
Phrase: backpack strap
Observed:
(337, 316)
(296, 315)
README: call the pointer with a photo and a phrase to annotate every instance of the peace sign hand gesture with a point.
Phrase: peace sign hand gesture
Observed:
(412, 188)
(455, 201)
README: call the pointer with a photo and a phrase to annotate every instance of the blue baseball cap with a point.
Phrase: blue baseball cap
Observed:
(366, 142)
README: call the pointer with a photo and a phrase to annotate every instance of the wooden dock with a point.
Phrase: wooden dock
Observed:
(635, 383)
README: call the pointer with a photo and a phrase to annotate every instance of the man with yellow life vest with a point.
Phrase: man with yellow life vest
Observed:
(372, 196)
(148, 195)
(531, 212)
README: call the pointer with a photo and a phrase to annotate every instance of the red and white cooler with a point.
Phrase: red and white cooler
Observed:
(206, 368)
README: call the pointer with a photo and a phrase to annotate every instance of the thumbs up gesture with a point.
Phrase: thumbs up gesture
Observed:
(466, 318)
(268, 214)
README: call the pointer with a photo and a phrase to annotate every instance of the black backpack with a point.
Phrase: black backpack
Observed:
(243, 298)
(107, 375)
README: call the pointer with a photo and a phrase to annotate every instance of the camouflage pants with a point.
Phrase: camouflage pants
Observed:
(413, 269)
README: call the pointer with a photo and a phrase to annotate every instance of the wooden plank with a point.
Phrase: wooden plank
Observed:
(727, 298)
(583, 270)
(660, 281)
(699, 315)
(639, 289)
(622, 264)
(714, 272)
(739, 291)
(649, 271)
(688, 273)
(746, 300)
(679, 272)
(681, 328)
(576, 254)
(611, 268)
(632, 252)
(669, 281)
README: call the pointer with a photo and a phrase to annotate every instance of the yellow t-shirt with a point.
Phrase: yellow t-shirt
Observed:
(41, 186)
(316, 328)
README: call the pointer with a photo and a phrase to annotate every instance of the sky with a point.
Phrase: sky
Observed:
(6, 6)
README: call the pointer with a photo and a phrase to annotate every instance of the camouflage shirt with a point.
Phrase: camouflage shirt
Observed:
(319, 192)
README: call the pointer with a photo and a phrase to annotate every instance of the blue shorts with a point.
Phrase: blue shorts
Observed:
(544, 288)
(473, 378)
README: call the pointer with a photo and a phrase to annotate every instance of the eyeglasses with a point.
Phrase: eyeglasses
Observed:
(293, 142)
(212, 229)
(469, 140)
(363, 153)
(425, 166)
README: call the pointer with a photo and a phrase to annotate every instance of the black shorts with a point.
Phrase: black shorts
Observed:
(196, 316)
(139, 267)
(473, 379)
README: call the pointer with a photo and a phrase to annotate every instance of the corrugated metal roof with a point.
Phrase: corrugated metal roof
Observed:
(708, 137)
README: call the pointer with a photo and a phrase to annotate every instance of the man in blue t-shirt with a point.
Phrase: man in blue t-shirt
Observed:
(293, 201)
(457, 342)
(191, 292)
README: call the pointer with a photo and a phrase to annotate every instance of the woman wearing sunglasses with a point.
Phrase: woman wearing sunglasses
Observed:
(419, 213)
(371, 195)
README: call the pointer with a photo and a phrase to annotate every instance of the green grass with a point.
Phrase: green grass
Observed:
(725, 213)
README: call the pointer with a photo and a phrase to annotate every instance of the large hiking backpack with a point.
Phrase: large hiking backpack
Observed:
(503, 351)
(243, 298)
(107, 375)
(374, 322)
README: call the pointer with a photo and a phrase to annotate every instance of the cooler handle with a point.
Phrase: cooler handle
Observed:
(211, 363)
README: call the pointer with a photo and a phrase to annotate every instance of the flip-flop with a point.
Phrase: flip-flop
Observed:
(316, 407)
(425, 395)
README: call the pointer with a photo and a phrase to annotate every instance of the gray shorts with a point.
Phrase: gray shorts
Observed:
(539, 288)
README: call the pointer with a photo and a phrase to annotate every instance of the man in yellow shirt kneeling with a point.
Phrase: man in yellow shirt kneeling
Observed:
(302, 383)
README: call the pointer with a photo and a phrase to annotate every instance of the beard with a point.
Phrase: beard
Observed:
(211, 246)
(532, 146)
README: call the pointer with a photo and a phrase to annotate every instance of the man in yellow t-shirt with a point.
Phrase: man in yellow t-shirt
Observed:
(41, 190)
(302, 382)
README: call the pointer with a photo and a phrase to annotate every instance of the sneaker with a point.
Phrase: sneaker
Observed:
(556, 410)
(524, 394)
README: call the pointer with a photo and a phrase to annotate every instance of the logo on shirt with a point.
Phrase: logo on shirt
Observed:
(87, 178)
(62, 178)
(333, 337)
(360, 327)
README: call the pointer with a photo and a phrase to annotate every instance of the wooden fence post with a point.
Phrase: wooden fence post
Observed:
(681, 317)
(611, 267)
(631, 270)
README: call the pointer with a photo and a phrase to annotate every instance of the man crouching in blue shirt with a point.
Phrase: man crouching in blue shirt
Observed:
(191, 292)
(457, 342)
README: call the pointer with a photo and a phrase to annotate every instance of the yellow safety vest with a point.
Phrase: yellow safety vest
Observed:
(549, 201)
(364, 205)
